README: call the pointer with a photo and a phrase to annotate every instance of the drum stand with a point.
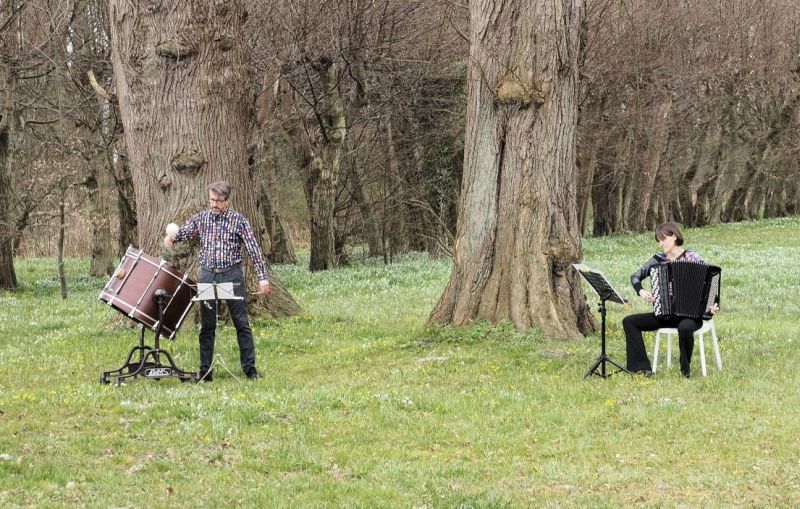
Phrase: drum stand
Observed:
(149, 363)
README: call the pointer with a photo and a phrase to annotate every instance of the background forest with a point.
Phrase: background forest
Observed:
(687, 111)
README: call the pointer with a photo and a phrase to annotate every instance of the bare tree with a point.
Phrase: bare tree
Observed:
(324, 78)
(687, 112)
(517, 223)
(184, 92)
(8, 277)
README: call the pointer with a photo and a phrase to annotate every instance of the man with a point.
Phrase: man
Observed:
(222, 231)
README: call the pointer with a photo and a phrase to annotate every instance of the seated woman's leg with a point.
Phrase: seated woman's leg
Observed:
(637, 359)
(686, 328)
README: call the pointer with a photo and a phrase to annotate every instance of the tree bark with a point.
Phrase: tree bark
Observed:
(62, 227)
(126, 202)
(184, 90)
(704, 169)
(322, 175)
(731, 168)
(100, 185)
(587, 170)
(8, 276)
(394, 217)
(365, 207)
(102, 191)
(517, 228)
(653, 158)
(281, 248)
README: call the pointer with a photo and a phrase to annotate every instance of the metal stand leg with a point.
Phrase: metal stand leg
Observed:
(604, 359)
(149, 364)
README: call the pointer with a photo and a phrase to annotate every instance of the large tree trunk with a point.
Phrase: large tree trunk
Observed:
(623, 178)
(62, 227)
(333, 116)
(731, 168)
(517, 229)
(322, 174)
(320, 187)
(184, 95)
(8, 277)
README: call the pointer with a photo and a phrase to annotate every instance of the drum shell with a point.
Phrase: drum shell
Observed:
(132, 288)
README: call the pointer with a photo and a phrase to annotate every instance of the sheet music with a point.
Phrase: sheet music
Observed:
(215, 291)
(599, 283)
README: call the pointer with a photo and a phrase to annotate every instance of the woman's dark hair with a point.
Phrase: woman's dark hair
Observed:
(665, 230)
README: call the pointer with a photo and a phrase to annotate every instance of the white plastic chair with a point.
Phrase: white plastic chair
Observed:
(699, 333)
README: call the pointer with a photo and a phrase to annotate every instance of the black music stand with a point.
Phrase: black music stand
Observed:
(606, 292)
(206, 293)
(149, 364)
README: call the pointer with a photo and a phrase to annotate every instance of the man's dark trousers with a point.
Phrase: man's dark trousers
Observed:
(238, 311)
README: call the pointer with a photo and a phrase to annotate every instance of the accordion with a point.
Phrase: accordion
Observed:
(686, 289)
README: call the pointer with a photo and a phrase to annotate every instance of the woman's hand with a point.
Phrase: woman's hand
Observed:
(714, 308)
(646, 295)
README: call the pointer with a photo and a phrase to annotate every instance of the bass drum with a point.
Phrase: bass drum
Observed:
(133, 286)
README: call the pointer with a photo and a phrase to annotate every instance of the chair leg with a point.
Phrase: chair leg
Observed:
(717, 356)
(655, 352)
(702, 354)
(669, 350)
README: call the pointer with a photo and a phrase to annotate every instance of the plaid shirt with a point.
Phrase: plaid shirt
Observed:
(221, 238)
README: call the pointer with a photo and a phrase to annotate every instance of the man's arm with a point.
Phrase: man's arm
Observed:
(189, 229)
(249, 239)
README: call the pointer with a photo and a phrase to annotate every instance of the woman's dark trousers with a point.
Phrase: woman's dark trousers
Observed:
(634, 325)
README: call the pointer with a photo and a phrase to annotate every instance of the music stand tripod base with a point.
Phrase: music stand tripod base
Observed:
(605, 291)
(600, 364)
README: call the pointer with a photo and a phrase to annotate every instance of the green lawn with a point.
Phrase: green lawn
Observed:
(363, 405)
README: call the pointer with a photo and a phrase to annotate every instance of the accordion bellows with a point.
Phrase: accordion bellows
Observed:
(685, 289)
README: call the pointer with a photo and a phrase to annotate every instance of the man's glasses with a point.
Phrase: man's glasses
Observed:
(217, 200)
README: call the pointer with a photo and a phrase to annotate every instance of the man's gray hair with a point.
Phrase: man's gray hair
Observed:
(220, 188)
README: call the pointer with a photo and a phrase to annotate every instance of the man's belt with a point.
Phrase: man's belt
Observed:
(224, 270)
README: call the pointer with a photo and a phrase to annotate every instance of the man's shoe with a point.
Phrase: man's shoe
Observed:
(205, 376)
(252, 374)
(645, 373)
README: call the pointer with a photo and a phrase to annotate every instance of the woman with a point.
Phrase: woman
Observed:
(670, 239)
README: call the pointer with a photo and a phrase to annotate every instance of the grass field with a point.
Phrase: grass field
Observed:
(363, 405)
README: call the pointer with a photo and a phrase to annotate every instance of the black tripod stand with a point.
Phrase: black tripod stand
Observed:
(604, 359)
(149, 364)
(606, 292)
